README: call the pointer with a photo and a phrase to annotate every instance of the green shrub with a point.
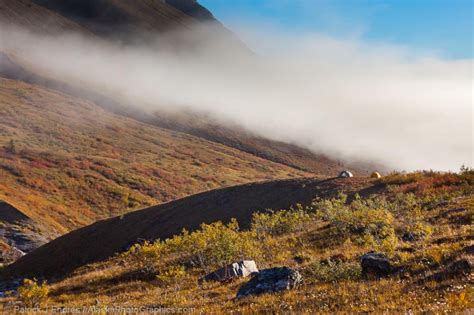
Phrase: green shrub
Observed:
(33, 294)
(366, 220)
(213, 245)
(279, 222)
(173, 275)
(145, 256)
(419, 230)
(12, 147)
(334, 270)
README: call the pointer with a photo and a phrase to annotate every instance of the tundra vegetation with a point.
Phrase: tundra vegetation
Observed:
(421, 221)
(67, 162)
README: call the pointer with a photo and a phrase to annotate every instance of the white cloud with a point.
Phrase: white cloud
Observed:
(346, 98)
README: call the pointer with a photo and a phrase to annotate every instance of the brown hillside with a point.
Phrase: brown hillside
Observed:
(35, 18)
(105, 238)
(112, 18)
(420, 222)
(66, 162)
(236, 137)
(19, 231)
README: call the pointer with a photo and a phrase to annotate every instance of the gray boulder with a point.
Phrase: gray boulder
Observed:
(11, 254)
(271, 280)
(375, 264)
(235, 270)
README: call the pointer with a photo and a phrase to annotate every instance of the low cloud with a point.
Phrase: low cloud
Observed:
(345, 98)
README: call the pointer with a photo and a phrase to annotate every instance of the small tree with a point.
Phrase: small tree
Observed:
(216, 244)
(33, 294)
(12, 147)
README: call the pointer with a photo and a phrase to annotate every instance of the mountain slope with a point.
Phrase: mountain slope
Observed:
(419, 224)
(237, 137)
(140, 21)
(66, 162)
(36, 18)
(105, 238)
(120, 18)
(18, 233)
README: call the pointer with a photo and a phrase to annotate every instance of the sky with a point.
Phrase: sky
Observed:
(441, 27)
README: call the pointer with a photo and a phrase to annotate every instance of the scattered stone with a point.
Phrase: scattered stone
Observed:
(375, 264)
(345, 174)
(240, 269)
(271, 280)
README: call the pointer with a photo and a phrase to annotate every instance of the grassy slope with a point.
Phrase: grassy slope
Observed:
(78, 247)
(73, 163)
(116, 18)
(427, 284)
(236, 137)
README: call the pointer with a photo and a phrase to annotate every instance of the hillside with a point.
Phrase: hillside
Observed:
(234, 136)
(116, 196)
(66, 162)
(82, 246)
(421, 223)
(112, 19)
(117, 18)
(19, 234)
(27, 14)
(140, 21)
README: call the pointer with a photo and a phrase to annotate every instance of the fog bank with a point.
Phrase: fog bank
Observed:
(345, 98)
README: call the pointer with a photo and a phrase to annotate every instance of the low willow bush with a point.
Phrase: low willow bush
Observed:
(334, 270)
(215, 245)
(212, 246)
(172, 276)
(32, 293)
(277, 223)
(366, 221)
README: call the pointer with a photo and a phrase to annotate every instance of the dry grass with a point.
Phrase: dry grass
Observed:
(426, 284)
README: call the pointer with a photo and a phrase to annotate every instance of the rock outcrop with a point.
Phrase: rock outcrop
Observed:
(232, 271)
(271, 280)
(375, 264)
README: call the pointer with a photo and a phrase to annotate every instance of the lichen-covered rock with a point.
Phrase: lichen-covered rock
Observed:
(375, 264)
(235, 270)
(271, 280)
